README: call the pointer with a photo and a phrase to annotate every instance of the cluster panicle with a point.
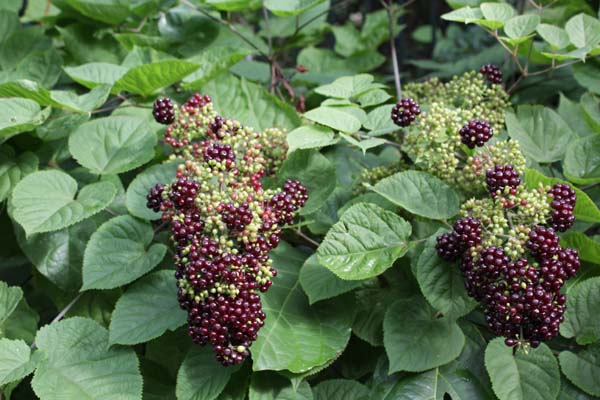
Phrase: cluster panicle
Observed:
(223, 223)
(511, 258)
(458, 116)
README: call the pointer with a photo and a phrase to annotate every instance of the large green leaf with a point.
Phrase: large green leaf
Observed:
(521, 25)
(234, 5)
(13, 168)
(348, 86)
(586, 75)
(110, 12)
(58, 255)
(582, 160)
(271, 386)
(85, 103)
(201, 377)
(253, 105)
(146, 310)
(419, 193)
(16, 361)
(147, 78)
(98, 73)
(26, 89)
(212, 62)
(583, 30)
(20, 115)
(583, 304)
(319, 283)
(45, 201)
(334, 118)
(139, 188)
(542, 133)
(298, 337)
(531, 375)
(583, 368)
(10, 296)
(290, 7)
(585, 209)
(457, 383)
(112, 145)
(341, 389)
(310, 137)
(22, 324)
(365, 242)
(79, 364)
(415, 340)
(557, 37)
(314, 171)
(465, 14)
(442, 283)
(119, 252)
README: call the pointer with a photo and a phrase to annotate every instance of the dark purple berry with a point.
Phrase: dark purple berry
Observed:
(236, 218)
(562, 215)
(197, 101)
(163, 111)
(468, 232)
(476, 133)
(492, 73)
(154, 197)
(405, 112)
(501, 177)
(570, 261)
(221, 153)
(183, 192)
(542, 243)
(563, 192)
(448, 247)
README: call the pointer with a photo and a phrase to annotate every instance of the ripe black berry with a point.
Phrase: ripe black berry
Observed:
(155, 197)
(562, 216)
(183, 192)
(492, 73)
(285, 203)
(220, 153)
(236, 218)
(448, 247)
(476, 133)
(542, 243)
(405, 112)
(468, 232)
(500, 177)
(570, 261)
(163, 111)
(564, 193)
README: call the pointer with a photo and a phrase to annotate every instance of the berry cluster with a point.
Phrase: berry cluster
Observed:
(476, 133)
(223, 223)
(163, 111)
(563, 204)
(492, 73)
(436, 143)
(511, 258)
(405, 112)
